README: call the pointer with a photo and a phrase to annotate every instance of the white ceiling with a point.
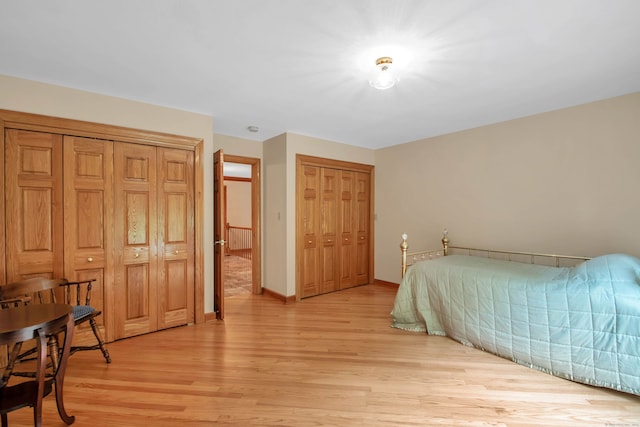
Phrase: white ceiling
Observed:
(303, 66)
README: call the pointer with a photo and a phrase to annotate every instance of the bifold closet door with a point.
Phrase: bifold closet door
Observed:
(309, 210)
(329, 226)
(176, 240)
(135, 240)
(34, 205)
(319, 191)
(347, 245)
(121, 213)
(88, 223)
(154, 238)
(333, 210)
(362, 227)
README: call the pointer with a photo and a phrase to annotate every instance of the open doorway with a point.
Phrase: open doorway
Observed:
(242, 226)
(238, 229)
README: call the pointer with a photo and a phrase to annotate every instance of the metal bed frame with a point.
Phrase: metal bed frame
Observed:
(408, 259)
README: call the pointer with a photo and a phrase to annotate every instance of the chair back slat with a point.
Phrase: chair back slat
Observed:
(14, 302)
(78, 293)
(87, 300)
(40, 288)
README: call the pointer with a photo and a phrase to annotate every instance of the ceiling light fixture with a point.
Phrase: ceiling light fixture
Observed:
(253, 128)
(384, 75)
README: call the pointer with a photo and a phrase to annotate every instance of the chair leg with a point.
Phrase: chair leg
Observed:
(101, 344)
(5, 422)
(53, 351)
(52, 345)
(8, 370)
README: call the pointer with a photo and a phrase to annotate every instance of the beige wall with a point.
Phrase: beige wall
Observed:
(40, 98)
(237, 146)
(238, 203)
(274, 255)
(562, 182)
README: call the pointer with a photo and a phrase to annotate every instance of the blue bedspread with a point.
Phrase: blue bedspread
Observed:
(580, 323)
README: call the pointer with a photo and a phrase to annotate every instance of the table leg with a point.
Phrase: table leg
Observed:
(62, 366)
(41, 366)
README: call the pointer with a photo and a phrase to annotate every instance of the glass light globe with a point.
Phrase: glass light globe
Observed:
(384, 75)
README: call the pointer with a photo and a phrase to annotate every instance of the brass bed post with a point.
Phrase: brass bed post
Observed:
(403, 248)
(445, 242)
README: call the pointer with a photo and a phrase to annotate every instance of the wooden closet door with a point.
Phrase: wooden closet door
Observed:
(329, 219)
(135, 240)
(309, 211)
(362, 227)
(176, 238)
(88, 216)
(33, 200)
(347, 240)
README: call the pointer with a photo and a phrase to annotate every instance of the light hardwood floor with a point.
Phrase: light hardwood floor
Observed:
(330, 360)
(237, 276)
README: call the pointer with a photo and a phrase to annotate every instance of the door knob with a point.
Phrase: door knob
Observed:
(219, 242)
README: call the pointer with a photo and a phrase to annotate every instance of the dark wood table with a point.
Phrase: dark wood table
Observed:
(37, 321)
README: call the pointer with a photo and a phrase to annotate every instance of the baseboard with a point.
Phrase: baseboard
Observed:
(292, 298)
(287, 300)
(385, 283)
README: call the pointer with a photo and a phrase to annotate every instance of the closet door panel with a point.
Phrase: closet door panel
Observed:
(135, 240)
(347, 243)
(175, 238)
(329, 220)
(309, 196)
(362, 226)
(33, 200)
(88, 187)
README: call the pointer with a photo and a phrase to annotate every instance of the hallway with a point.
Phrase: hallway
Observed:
(237, 276)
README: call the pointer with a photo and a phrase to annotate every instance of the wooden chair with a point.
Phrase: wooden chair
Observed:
(39, 322)
(29, 290)
(77, 294)
(13, 353)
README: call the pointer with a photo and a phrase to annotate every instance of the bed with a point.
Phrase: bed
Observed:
(579, 322)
